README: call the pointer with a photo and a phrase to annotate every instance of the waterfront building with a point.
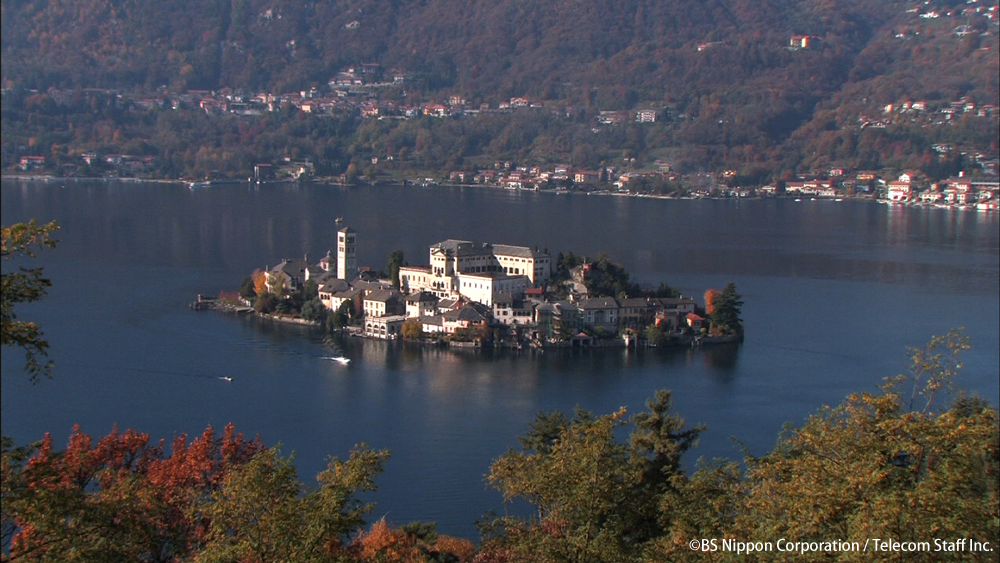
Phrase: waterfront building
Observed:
(600, 312)
(510, 310)
(385, 327)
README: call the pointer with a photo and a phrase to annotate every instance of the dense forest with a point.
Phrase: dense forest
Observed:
(732, 86)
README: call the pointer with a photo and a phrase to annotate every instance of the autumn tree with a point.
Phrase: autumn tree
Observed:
(121, 498)
(412, 329)
(415, 541)
(20, 241)
(259, 282)
(710, 296)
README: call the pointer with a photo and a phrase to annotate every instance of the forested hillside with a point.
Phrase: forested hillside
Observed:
(755, 85)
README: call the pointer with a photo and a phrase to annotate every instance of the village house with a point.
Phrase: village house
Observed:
(333, 298)
(512, 310)
(586, 177)
(553, 320)
(383, 302)
(32, 163)
(421, 304)
(899, 190)
(469, 315)
(646, 116)
(612, 117)
(803, 42)
(639, 312)
(600, 312)
(695, 321)
(959, 191)
(289, 274)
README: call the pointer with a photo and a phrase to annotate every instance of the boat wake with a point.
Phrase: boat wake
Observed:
(339, 359)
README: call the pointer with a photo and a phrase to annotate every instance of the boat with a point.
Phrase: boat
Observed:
(212, 184)
(226, 379)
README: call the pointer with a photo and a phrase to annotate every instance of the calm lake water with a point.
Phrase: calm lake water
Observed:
(834, 293)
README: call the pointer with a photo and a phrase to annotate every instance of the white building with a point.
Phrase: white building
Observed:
(483, 288)
(388, 327)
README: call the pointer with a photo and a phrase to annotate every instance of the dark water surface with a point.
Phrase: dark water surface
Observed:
(834, 293)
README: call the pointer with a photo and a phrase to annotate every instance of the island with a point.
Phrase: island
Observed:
(480, 294)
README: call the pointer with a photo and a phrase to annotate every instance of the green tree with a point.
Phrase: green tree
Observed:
(23, 285)
(727, 306)
(580, 489)
(314, 310)
(247, 290)
(655, 335)
(344, 315)
(310, 290)
(266, 303)
(596, 498)
(261, 513)
(395, 261)
(872, 467)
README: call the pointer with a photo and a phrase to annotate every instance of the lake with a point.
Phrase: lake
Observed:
(834, 293)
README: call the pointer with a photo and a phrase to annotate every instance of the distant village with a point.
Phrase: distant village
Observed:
(351, 92)
(473, 293)
(371, 91)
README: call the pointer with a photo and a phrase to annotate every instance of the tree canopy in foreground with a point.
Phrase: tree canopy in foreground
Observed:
(19, 242)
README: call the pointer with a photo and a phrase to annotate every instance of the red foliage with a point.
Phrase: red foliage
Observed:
(229, 296)
(125, 480)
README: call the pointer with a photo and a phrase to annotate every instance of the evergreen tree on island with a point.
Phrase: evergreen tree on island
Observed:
(726, 308)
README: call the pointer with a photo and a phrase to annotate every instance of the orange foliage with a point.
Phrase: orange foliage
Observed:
(383, 543)
(465, 550)
(126, 478)
(259, 282)
(710, 296)
(386, 544)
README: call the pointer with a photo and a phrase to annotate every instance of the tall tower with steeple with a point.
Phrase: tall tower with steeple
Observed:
(347, 254)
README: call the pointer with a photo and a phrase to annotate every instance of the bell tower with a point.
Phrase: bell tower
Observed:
(347, 257)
